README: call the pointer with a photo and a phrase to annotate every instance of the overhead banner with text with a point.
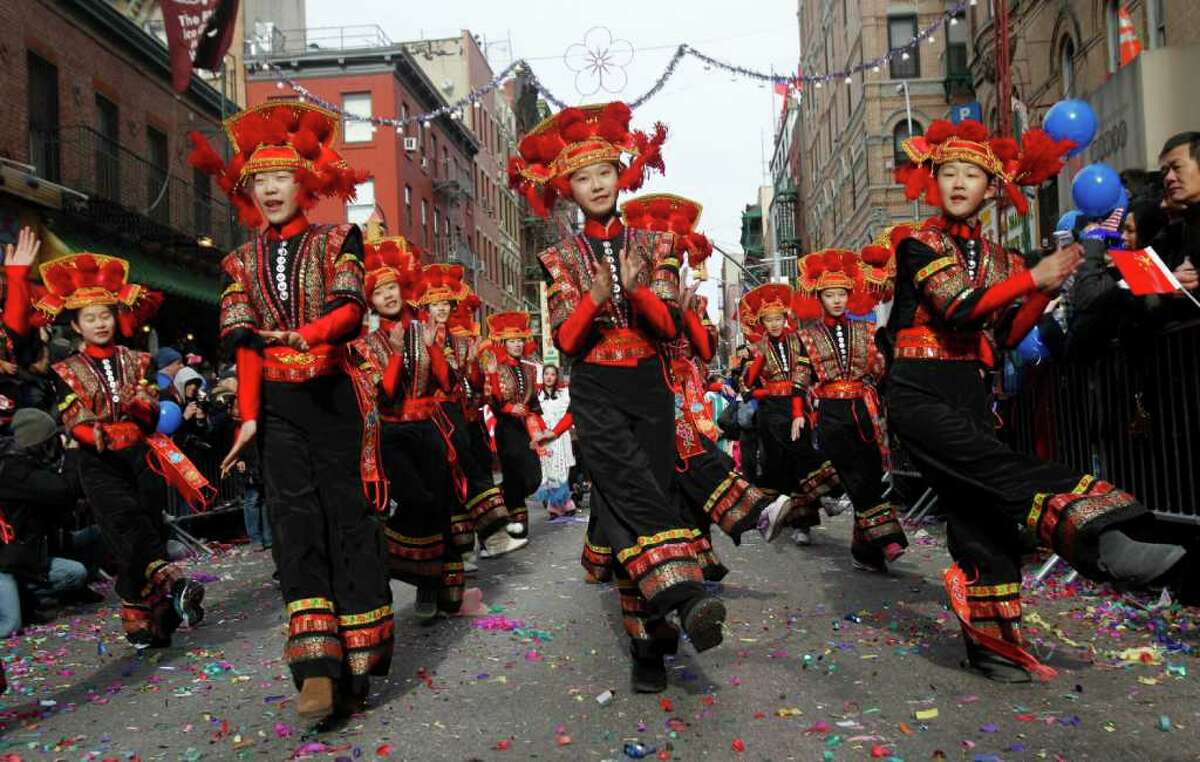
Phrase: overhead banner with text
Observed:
(198, 34)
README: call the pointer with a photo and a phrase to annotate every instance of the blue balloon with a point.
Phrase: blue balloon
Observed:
(163, 381)
(170, 417)
(1096, 190)
(1072, 120)
(1068, 221)
(1032, 349)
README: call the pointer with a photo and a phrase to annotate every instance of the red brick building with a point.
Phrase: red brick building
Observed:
(421, 182)
(458, 66)
(93, 153)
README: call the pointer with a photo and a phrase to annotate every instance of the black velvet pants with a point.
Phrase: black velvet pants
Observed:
(520, 466)
(329, 545)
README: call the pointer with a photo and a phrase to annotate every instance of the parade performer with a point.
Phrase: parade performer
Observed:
(845, 368)
(777, 377)
(959, 298)
(483, 513)
(399, 366)
(612, 295)
(108, 403)
(512, 393)
(293, 296)
(16, 299)
(712, 488)
(558, 457)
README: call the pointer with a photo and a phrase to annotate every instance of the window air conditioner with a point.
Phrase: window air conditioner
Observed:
(410, 144)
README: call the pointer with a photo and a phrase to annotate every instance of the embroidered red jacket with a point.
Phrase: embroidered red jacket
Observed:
(323, 283)
(779, 368)
(107, 386)
(612, 333)
(955, 305)
(840, 351)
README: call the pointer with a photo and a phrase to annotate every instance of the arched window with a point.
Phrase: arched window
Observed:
(899, 135)
(1066, 66)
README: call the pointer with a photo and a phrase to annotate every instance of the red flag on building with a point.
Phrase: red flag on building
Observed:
(198, 34)
(1144, 272)
(1130, 45)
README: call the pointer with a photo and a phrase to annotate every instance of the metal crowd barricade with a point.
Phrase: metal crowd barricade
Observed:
(230, 489)
(1131, 417)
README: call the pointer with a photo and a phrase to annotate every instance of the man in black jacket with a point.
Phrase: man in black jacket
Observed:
(35, 493)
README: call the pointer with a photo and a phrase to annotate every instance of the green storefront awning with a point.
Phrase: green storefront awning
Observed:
(146, 269)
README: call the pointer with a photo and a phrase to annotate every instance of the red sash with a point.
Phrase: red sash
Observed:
(956, 590)
(446, 428)
(165, 459)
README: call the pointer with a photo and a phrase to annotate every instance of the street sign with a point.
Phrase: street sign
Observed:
(961, 111)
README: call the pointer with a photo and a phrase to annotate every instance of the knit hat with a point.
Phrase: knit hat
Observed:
(31, 427)
(165, 356)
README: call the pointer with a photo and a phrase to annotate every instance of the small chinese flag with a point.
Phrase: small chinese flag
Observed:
(1144, 271)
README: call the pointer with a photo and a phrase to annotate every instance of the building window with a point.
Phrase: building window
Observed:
(158, 196)
(408, 208)
(356, 130)
(108, 159)
(1159, 33)
(1112, 13)
(956, 47)
(201, 202)
(901, 31)
(899, 135)
(42, 89)
(425, 223)
(359, 210)
(1066, 63)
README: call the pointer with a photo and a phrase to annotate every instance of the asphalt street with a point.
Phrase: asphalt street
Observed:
(819, 662)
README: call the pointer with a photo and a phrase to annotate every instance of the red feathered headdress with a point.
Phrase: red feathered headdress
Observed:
(442, 283)
(768, 299)
(667, 212)
(84, 279)
(578, 137)
(390, 260)
(503, 326)
(462, 319)
(820, 270)
(1038, 158)
(288, 135)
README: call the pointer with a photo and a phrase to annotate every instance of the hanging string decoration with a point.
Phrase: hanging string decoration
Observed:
(606, 56)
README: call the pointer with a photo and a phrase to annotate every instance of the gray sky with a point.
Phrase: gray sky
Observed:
(720, 127)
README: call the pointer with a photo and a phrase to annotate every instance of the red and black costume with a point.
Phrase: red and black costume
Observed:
(482, 511)
(778, 378)
(845, 368)
(414, 433)
(621, 400)
(15, 298)
(712, 489)
(512, 393)
(108, 403)
(308, 279)
(959, 298)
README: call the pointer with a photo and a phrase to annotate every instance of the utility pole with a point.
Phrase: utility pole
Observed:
(1003, 94)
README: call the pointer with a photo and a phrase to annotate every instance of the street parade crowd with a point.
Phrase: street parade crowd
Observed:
(367, 403)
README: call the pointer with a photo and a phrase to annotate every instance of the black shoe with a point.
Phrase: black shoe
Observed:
(187, 595)
(993, 667)
(702, 619)
(426, 605)
(1135, 563)
(649, 674)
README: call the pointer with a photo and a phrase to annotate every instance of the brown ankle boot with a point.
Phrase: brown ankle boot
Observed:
(316, 698)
